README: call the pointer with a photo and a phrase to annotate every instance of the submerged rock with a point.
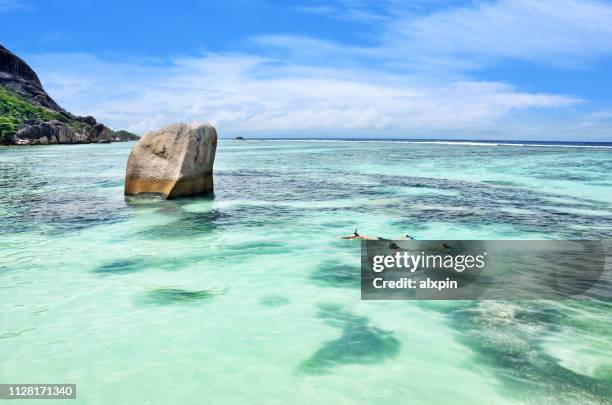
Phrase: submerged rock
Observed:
(175, 161)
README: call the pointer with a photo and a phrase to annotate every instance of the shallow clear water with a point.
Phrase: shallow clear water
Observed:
(249, 296)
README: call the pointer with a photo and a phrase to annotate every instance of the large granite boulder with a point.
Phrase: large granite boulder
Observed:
(175, 161)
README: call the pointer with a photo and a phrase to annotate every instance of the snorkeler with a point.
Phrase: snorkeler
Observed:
(356, 235)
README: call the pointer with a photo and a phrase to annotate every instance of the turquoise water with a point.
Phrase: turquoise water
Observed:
(250, 297)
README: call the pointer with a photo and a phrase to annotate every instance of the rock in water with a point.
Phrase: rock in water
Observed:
(175, 161)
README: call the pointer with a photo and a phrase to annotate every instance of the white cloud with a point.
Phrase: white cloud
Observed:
(244, 93)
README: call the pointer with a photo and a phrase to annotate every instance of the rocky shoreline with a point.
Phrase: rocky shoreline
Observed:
(29, 116)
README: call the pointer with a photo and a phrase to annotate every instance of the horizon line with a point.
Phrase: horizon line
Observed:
(421, 140)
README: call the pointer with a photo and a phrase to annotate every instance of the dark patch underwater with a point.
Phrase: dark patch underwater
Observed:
(169, 296)
(510, 347)
(360, 343)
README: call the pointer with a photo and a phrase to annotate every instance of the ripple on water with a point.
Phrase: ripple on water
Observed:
(122, 266)
(8, 335)
(273, 301)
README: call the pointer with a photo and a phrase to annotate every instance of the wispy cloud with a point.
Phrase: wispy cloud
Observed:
(12, 5)
(601, 119)
(349, 10)
(563, 33)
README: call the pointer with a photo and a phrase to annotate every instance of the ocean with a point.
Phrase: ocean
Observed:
(249, 296)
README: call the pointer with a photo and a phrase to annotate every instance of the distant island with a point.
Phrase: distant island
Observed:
(240, 138)
(29, 116)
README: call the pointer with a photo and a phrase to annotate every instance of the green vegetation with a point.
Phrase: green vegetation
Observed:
(78, 126)
(14, 111)
(126, 135)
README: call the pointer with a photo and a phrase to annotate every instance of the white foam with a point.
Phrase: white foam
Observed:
(463, 143)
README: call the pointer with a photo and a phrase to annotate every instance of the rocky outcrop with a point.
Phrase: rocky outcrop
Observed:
(100, 134)
(175, 161)
(89, 120)
(48, 133)
(17, 76)
(29, 116)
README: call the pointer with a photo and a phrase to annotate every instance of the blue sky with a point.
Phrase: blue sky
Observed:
(507, 69)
